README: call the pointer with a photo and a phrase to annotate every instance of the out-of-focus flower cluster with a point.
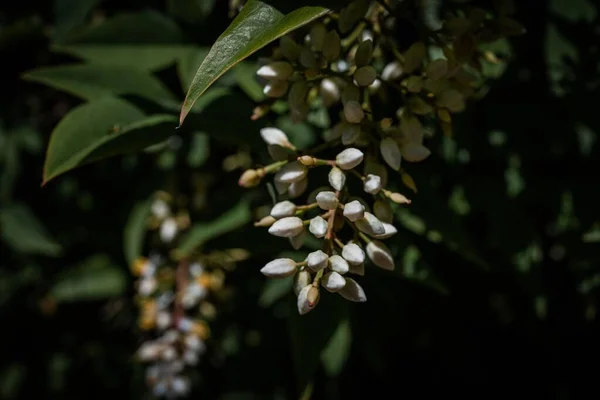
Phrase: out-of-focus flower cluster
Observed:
(177, 299)
(384, 97)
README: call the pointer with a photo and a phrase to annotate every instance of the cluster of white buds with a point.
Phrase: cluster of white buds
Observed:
(174, 299)
(384, 97)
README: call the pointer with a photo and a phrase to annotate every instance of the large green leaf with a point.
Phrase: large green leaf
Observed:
(22, 232)
(336, 352)
(100, 129)
(142, 56)
(93, 279)
(135, 230)
(90, 81)
(70, 14)
(202, 232)
(258, 24)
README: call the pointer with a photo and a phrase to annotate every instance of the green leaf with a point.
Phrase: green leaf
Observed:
(24, 233)
(202, 232)
(150, 57)
(101, 129)
(91, 82)
(188, 64)
(336, 352)
(93, 279)
(69, 14)
(135, 231)
(274, 290)
(199, 150)
(258, 24)
(150, 27)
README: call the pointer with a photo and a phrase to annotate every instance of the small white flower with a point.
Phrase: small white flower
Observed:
(364, 52)
(353, 254)
(350, 133)
(318, 227)
(337, 178)
(169, 353)
(168, 230)
(365, 76)
(338, 264)
(333, 282)
(353, 112)
(281, 70)
(298, 240)
(391, 71)
(193, 342)
(349, 158)
(275, 88)
(372, 184)
(279, 268)
(414, 152)
(283, 209)
(380, 255)
(196, 269)
(327, 200)
(390, 230)
(290, 173)
(163, 320)
(354, 210)
(329, 91)
(275, 136)
(383, 211)
(147, 286)
(149, 351)
(370, 225)
(296, 189)
(304, 306)
(180, 385)
(353, 291)
(317, 260)
(301, 280)
(160, 209)
(358, 269)
(287, 227)
(332, 46)
(190, 357)
(391, 153)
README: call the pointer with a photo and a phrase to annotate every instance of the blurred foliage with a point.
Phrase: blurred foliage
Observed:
(497, 291)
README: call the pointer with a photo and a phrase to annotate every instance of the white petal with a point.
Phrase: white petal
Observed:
(283, 209)
(290, 173)
(372, 184)
(317, 260)
(302, 302)
(353, 291)
(297, 188)
(279, 268)
(327, 200)
(380, 255)
(318, 227)
(338, 264)
(301, 280)
(354, 210)
(333, 282)
(390, 230)
(287, 227)
(337, 178)
(274, 136)
(276, 70)
(353, 254)
(349, 158)
(370, 225)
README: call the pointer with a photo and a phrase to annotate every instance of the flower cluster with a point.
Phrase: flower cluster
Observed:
(384, 97)
(175, 301)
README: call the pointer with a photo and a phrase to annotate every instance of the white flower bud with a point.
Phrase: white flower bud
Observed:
(308, 58)
(329, 91)
(372, 184)
(297, 94)
(281, 187)
(350, 93)
(275, 136)
(275, 88)
(332, 46)
(353, 254)
(298, 240)
(290, 173)
(364, 52)
(168, 230)
(289, 48)
(163, 320)
(375, 168)
(318, 227)
(317, 36)
(353, 291)
(365, 76)
(327, 200)
(303, 304)
(391, 153)
(353, 112)
(149, 351)
(280, 70)
(350, 133)
(287, 227)
(390, 230)
(301, 280)
(338, 264)
(337, 178)
(383, 211)
(358, 269)
(391, 71)
(283, 209)
(370, 225)
(413, 152)
(333, 282)
(297, 188)
(317, 260)
(380, 255)
(160, 209)
(437, 69)
(354, 210)
(349, 158)
(279, 268)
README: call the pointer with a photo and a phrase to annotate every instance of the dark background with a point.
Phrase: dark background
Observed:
(520, 322)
